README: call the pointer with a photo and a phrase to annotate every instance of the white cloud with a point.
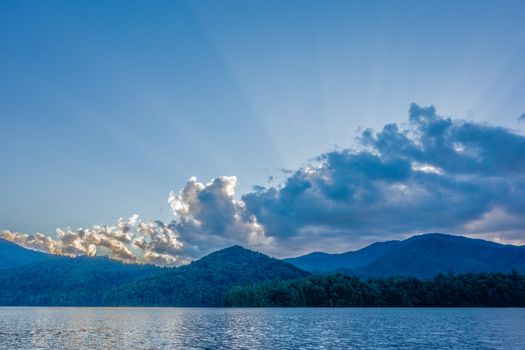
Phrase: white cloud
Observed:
(207, 217)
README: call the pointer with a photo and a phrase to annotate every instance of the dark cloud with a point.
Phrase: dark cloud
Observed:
(436, 174)
(521, 118)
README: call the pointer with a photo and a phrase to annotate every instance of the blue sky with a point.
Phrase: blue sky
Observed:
(106, 107)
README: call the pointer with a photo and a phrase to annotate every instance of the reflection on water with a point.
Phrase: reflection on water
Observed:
(210, 328)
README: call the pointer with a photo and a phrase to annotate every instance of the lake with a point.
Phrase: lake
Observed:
(265, 328)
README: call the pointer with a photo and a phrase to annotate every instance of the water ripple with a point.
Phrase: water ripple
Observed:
(211, 328)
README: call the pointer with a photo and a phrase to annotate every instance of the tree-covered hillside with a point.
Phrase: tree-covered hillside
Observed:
(203, 282)
(88, 281)
(63, 281)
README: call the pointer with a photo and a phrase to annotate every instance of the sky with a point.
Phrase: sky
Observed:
(259, 112)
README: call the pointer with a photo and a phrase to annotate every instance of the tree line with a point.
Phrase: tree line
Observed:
(444, 290)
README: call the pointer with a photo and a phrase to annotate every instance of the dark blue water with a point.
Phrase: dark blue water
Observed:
(208, 328)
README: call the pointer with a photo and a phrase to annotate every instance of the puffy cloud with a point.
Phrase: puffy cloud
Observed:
(129, 240)
(208, 216)
(435, 174)
(37, 241)
(432, 174)
(160, 243)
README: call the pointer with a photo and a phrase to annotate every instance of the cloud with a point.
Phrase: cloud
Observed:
(521, 118)
(208, 216)
(433, 173)
(128, 240)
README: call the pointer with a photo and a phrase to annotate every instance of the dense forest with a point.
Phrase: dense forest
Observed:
(465, 290)
(205, 281)
(63, 281)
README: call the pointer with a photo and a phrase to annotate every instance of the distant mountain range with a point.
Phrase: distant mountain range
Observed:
(421, 256)
(29, 277)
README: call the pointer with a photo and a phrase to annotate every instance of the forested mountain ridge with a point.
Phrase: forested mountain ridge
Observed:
(204, 281)
(65, 281)
(422, 256)
(96, 281)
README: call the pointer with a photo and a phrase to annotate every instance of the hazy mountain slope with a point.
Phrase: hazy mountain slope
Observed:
(422, 256)
(322, 262)
(13, 255)
(203, 282)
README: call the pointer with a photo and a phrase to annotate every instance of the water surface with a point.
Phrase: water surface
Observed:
(215, 328)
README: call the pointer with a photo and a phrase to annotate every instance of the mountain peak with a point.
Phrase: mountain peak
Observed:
(235, 251)
(235, 248)
(209, 277)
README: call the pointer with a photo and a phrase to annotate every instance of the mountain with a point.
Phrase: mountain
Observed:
(421, 256)
(64, 281)
(324, 262)
(13, 255)
(203, 282)
(32, 278)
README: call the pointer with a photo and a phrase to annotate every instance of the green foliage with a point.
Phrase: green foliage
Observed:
(466, 290)
(203, 282)
(62, 281)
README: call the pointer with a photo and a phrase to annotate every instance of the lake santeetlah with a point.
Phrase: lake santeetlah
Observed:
(261, 328)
